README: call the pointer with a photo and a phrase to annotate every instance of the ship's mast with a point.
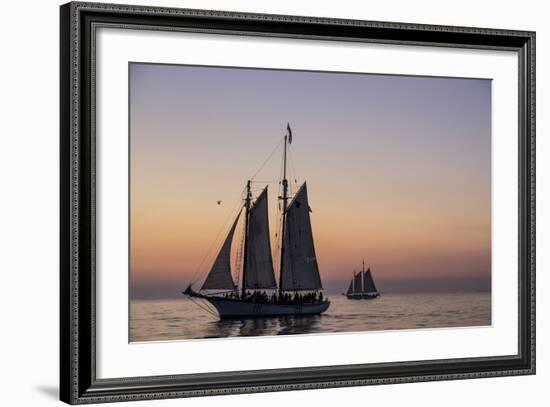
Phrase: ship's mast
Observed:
(284, 198)
(247, 213)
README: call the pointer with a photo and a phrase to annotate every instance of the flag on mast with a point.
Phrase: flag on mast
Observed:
(289, 133)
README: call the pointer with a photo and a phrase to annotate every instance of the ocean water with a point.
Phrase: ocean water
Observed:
(176, 319)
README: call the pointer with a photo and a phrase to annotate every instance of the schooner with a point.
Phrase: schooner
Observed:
(362, 286)
(299, 290)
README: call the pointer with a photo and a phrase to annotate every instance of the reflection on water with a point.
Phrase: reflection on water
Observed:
(175, 319)
(264, 326)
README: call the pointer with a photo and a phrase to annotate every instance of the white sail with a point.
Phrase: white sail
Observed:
(299, 263)
(259, 262)
(220, 277)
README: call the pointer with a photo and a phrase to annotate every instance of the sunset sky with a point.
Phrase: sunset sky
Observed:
(398, 171)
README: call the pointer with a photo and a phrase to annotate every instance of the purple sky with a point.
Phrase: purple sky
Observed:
(398, 170)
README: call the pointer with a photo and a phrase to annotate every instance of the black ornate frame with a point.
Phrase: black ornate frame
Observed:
(78, 382)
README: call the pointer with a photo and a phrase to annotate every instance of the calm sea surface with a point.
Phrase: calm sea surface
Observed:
(157, 320)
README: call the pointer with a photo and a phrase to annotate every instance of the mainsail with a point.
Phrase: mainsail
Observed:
(368, 282)
(220, 277)
(258, 262)
(357, 280)
(299, 270)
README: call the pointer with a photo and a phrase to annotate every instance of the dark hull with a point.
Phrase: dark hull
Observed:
(231, 308)
(370, 296)
(228, 308)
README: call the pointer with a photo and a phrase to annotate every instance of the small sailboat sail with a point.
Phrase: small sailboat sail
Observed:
(258, 261)
(299, 269)
(357, 283)
(219, 277)
(368, 283)
(362, 286)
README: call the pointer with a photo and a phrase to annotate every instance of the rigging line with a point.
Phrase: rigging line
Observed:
(293, 167)
(204, 308)
(197, 274)
(281, 171)
(278, 238)
(237, 271)
(209, 308)
(281, 174)
(258, 190)
(278, 242)
(267, 159)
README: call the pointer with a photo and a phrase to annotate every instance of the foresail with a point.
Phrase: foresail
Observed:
(368, 283)
(259, 262)
(350, 288)
(220, 277)
(299, 269)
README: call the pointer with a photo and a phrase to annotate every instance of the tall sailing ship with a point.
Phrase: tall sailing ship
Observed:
(299, 290)
(362, 286)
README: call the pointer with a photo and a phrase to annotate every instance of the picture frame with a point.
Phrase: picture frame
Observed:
(79, 382)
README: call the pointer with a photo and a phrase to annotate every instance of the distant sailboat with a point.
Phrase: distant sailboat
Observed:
(362, 286)
(300, 289)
